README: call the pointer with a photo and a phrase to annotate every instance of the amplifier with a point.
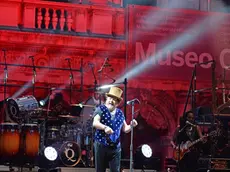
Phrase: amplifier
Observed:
(214, 164)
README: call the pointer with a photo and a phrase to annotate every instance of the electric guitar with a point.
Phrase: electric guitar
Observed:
(178, 154)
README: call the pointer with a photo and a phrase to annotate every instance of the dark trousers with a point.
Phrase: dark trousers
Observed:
(106, 156)
(189, 162)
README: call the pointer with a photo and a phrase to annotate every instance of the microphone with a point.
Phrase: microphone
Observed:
(31, 57)
(132, 101)
(189, 123)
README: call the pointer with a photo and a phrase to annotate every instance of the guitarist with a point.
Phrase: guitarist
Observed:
(187, 131)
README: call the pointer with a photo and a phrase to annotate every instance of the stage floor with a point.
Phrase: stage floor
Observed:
(64, 169)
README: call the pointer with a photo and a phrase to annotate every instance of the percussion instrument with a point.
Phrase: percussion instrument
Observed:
(53, 133)
(18, 108)
(67, 116)
(9, 139)
(30, 140)
(71, 132)
(70, 153)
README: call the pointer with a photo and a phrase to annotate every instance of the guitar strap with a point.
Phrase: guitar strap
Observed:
(191, 133)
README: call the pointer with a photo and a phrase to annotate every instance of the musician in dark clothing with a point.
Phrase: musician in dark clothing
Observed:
(59, 106)
(187, 131)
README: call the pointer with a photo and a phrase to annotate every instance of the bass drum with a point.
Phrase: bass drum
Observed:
(19, 107)
(70, 153)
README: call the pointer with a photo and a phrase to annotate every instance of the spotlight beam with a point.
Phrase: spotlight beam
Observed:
(182, 41)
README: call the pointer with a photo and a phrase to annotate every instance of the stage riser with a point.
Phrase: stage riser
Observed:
(93, 170)
(65, 169)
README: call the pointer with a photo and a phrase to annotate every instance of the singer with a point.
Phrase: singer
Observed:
(186, 132)
(109, 121)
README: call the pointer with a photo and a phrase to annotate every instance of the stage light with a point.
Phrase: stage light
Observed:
(48, 158)
(144, 159)
(42, 102)
(50, 153)
(146, 151)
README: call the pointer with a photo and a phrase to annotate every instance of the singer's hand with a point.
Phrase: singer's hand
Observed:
(133, 123)
(108, 130)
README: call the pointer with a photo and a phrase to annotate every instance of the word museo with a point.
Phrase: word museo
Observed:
(177, 58)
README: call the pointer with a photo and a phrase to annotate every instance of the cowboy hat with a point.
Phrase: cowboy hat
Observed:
(115, 92)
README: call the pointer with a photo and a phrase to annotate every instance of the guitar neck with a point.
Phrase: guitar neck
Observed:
(196, 141)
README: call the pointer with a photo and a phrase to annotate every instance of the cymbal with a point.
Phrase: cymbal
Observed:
(43, 110)
(67, 116)
(82, 105)
(48, 118)
(53, 129)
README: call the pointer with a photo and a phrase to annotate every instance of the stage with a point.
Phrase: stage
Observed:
(63, 169)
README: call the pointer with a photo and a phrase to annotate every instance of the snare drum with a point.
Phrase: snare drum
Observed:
(9, 139)
(30, 139)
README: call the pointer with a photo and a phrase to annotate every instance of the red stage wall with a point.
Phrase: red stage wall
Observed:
(178, 39)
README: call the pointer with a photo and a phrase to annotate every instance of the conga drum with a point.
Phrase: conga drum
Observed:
(30, 139)
(9, 139)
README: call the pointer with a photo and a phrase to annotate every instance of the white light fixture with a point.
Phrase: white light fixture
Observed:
(42, 102)
(146, 150)
(50, 153)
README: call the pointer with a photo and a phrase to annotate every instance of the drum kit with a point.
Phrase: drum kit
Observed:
(29, 130)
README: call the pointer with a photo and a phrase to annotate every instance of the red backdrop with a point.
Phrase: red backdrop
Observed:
(177, 39)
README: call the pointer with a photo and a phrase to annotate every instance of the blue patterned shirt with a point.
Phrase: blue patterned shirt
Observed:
(116, 123)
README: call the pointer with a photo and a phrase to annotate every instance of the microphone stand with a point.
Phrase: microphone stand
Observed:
(94, 76)
(34, 73)
(43, 133)
(131, 142)
(104, 65)
(71, 80)
(5, 80)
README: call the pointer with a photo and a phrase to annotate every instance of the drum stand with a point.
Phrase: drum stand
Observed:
(43, 125)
